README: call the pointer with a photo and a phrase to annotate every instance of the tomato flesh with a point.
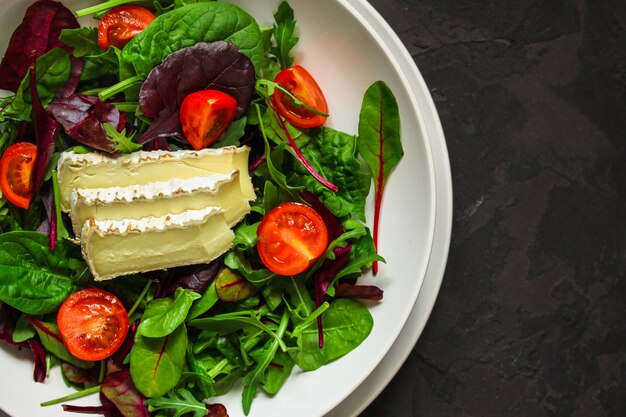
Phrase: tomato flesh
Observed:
(93, 324)
(118, 26)
(16, 173)
(299, 82)
(291, 237)
(205, 115)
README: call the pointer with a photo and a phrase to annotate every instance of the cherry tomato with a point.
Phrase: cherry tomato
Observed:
(16, 173)
(205, 115)
(291, 237)
(302, 85)
(119, 25)
(93, 324)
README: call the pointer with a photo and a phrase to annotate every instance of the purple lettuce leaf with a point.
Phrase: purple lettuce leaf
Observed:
(80, 376)
(119, 389)
(193, 277)
(206, 65)
(37, 34)
(216, 410)
(83, 117)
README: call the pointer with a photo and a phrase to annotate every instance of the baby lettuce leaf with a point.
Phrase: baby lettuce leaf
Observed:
(186, 26)
(34, 279)
(204, 66)
(333, 154)
(37, 34)
(156, 364)
(164, 315)
(346, 324)
(379, 140)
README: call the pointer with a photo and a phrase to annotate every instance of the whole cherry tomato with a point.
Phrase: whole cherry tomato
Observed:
(291, 237)
(205, 115)
(93, 324)
(303, 86)
(119, 25)
(16, 173)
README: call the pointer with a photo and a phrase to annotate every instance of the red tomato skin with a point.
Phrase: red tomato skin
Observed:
(93, 324)
(299, 82)
(120, 24)
(292, 236)
(16, 173)
(205, 115)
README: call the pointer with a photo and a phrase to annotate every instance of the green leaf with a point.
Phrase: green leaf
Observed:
(156, 364)
(164, 315)
(235, 131)
(123, 143)
(180, 401)
(23, 330)
(34, 279)
(333, 154)
(186, 26)
(238, 262)
(379, 132)
(232, 287)
(346, 324)
(204, 303)
(51, 341)
(284, 34)
(84, 41)
(53, 71)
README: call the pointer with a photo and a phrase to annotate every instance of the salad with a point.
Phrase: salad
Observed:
(166, 301)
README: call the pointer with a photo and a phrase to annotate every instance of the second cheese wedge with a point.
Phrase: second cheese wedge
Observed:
(160, 198)
(121, 247)
(95, 170)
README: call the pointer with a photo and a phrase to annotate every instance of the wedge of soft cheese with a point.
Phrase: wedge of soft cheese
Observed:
(96, 170)
(157, 199)
(120, 247)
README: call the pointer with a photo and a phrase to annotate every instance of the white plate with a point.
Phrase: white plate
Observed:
(347, 46)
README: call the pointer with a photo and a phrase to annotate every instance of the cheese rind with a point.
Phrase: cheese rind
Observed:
(160, 198)
(121, 247)
(96, 170)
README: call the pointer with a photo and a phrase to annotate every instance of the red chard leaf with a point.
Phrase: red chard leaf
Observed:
(204, 66)
(379, 141)
(119, 389)
(39, 32)
(364, 292)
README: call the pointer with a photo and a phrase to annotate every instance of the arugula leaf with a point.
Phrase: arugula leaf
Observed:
(181, 401)
(122, 142)
(284, 34)
(379, 140)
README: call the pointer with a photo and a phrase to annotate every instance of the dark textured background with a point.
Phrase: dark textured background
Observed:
(530, 320)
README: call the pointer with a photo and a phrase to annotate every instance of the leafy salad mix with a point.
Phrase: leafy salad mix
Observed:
(173, 75)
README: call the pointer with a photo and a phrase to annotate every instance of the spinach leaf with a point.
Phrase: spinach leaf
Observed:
(346, 324)
(333, 154)
(34, 279)
(156, 364)
(186, 26)
(164, 315)
(53, 71)
(203, 304)
(284, 34)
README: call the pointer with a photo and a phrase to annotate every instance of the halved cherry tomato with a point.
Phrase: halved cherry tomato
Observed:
(93, 324)
(16, 173)
(205, 115)
(119, 25)
(291, 237)
(302, 85)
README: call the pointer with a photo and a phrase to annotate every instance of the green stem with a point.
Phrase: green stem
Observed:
(73, 396)
(56, 189)
(271, 86)
(102, 7)
(118, 88)
(127, 106)
(141, 297)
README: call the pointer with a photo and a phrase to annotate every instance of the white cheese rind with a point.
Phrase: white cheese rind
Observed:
(160, 198)
(96, 170)
(113, 248)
